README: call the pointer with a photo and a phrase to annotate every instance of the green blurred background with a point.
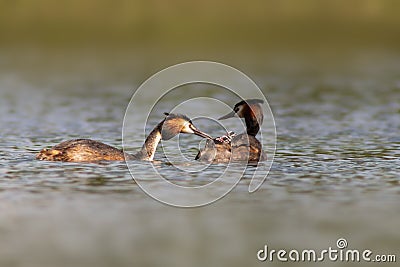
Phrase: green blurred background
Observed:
(203, 24)
(131, 40)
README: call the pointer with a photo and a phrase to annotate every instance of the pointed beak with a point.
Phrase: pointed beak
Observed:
(200, 133)
(227, 116)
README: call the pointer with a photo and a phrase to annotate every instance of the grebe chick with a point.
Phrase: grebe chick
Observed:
(86, 150)
(241, 147)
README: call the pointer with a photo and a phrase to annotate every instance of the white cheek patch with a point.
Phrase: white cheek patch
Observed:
(187, 129)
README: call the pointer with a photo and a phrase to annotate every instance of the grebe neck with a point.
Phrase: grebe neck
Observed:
(252, 125)
(150, 145)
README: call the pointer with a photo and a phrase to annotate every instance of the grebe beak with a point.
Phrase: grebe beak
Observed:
(199, 133)
(227, 116)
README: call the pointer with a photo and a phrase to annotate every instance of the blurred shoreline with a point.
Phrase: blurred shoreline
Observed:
(204, 25)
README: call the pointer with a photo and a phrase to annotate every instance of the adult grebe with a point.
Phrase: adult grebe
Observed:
(241, 147)
(89, 150)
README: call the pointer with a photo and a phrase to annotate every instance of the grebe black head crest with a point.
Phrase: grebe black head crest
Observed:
(174, 124)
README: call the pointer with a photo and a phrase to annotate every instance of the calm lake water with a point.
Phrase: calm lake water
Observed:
(336, 172)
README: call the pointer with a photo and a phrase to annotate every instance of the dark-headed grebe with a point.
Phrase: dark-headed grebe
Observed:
(90, 150)
(241, 147)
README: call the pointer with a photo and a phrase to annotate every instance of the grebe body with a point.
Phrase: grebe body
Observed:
(241, 147)
(87, 150)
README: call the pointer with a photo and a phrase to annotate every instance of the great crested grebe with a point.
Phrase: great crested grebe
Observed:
(86, 150)
(241, 147)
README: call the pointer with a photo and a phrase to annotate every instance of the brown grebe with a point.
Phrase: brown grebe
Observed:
(86, 150)
(241, 147)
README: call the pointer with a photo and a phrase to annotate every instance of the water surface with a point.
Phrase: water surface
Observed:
(336, 171)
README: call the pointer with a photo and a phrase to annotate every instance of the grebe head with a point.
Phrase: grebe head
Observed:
(246, 108)
(178, 123)
(251, 111)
